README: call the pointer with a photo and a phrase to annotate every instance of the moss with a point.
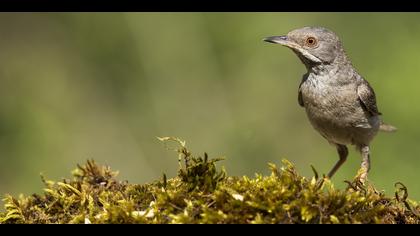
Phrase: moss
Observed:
(200, 193)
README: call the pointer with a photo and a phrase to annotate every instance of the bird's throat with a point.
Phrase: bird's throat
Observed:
(306, 61)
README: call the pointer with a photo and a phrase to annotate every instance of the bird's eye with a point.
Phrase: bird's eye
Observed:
(311, 42)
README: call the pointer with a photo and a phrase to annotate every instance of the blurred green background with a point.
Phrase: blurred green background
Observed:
(76, 86)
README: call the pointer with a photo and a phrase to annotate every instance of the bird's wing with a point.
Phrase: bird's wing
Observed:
(367, 97)
(300, 99)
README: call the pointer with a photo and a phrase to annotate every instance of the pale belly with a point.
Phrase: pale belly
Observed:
(336, 113)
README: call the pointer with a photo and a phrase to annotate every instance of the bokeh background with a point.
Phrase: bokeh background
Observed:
(75, 86)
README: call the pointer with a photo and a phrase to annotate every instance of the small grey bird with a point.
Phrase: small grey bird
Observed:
(340, 103)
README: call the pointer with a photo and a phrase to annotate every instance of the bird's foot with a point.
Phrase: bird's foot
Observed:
(361, 176)
(320, 182)
(317, 181)
(360, 181)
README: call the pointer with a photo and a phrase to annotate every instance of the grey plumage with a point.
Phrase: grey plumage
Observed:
(340, 104)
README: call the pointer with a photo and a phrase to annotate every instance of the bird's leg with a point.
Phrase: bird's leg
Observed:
(342, 153)
(365, 166)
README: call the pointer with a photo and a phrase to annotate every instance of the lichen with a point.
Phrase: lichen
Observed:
(200, 193)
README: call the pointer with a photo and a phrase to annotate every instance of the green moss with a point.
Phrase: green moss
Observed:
(202, 194)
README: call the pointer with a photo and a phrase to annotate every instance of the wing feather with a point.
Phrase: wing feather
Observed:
(367, 97)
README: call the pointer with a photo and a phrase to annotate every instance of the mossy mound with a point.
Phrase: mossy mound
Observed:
(202, 194)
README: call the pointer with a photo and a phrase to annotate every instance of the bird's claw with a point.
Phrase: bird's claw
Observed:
(320, 182)
(360, 181)
(362, 175)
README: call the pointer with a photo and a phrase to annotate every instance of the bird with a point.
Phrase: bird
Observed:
(339, 103)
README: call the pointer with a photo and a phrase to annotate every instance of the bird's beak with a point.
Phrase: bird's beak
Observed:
(277, 39)
(282, 40)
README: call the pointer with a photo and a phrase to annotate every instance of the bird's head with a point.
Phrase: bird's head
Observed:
(313, 45)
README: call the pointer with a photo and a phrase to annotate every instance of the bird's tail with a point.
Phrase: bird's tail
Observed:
(387, 128)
